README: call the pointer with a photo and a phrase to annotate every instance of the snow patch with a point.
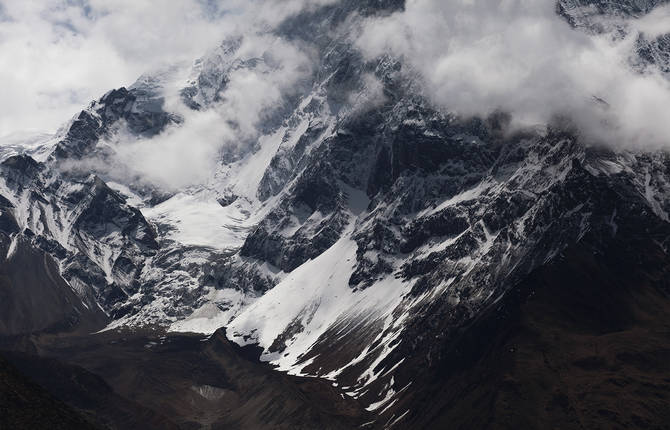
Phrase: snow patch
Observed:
(12, 247)
(309, 301)
(221, 307)
(200, 220)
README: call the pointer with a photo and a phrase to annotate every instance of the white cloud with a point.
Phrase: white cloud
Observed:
(654, 24)
(188, 154)
(57, 55)
(476, 56)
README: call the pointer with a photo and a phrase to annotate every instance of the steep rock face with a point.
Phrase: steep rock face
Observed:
(583, 13)
(99, 241)
(569, 345)
(454, 214)
(362, 238)
(139, 108)
(456, 255)
(303, 225)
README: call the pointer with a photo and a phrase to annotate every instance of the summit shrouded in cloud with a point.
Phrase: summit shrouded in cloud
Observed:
(521, 57)
(474, 57)
(57, 55)
(334, 214)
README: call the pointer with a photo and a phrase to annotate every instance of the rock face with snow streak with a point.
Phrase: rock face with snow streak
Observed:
(100, 241)
(583, 12)
(140, 108)
(365, 235)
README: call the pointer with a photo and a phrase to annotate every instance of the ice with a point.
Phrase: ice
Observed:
(200, 220)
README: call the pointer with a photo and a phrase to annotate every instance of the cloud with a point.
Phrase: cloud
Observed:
(477, 56)
(188, 154)
(655, 23)
(57, 55)
(472, 56)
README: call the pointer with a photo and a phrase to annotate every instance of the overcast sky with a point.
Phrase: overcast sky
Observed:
(57, 55)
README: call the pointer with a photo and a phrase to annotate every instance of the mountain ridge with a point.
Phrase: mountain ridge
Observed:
(359, 239)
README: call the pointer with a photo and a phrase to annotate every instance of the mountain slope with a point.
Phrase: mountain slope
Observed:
(194, 382)
(25, 405)
(581, 343)
(358, 235)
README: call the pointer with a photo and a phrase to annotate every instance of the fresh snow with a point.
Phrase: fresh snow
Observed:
(200, 220)
(318, 295)
(244, 176)
(12, 247)
(132, 199)
(37, 145)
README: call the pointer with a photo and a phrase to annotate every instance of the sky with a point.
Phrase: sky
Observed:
(471, 57)
(58, 55)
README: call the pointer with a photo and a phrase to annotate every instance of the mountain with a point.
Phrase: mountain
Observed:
(364, 260)
(25, 404)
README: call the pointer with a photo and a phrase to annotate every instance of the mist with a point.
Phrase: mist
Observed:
(478, 56)
(58, 55)
(471, 57)
(189, 153)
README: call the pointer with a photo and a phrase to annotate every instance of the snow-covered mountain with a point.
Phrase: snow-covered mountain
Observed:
(360, 235)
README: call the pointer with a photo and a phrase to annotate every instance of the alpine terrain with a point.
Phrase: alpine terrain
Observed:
(353, 254)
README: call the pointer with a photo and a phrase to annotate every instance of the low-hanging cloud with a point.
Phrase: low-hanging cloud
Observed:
(473, 56)
(478, 56)
(57, 55)
(188, 154)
